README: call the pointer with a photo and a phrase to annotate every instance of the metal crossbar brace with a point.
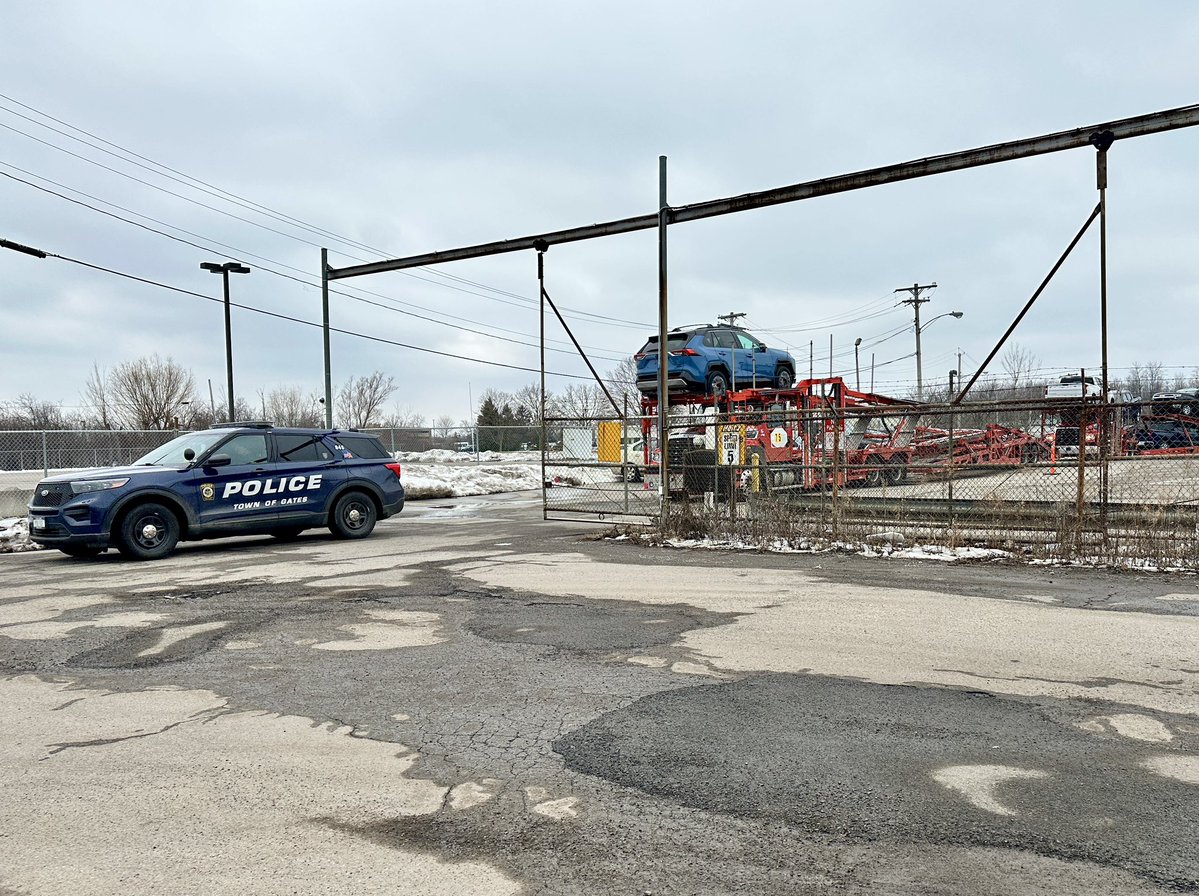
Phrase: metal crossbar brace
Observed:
(565, 326)
(1027, 305)
(1137, 126)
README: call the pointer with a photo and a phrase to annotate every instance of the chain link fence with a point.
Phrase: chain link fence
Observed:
(28, 455)
(1054, 479)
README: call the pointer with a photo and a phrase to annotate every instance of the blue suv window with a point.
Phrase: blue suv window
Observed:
(298, 447)
(248, 448)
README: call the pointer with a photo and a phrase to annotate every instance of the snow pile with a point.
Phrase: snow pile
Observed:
(14, 536)
(819, 546)
(442, 456)
(425, 480)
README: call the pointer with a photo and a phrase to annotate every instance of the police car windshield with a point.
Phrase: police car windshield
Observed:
(172, 454)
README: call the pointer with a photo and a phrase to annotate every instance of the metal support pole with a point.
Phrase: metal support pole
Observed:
(857, 368)
(663, 355)
(1106, 430)
(325, 332)
(541, 319)
(228, 345)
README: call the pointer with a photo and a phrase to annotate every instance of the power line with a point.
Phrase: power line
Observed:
(253, 206)
(297, 320)
(608, 357)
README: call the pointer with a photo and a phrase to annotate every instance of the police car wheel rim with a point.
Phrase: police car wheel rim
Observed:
(354, 515)
(150, 531)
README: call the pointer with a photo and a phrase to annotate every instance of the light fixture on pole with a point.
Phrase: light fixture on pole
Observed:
(920, 328)
(229, 267)
(857, 370)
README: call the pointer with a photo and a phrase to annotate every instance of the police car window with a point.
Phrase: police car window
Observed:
(360, 445)
(298, 447)
(248, 448)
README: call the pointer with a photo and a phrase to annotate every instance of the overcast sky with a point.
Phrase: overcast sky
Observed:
(392, 129)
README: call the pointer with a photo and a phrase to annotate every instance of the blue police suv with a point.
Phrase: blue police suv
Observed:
(233, 479)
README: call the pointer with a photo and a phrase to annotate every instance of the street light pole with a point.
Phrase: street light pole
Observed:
(857, 370)
(229, 267)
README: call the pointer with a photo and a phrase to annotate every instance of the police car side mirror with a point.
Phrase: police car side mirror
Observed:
(189, 455)
(218, 460)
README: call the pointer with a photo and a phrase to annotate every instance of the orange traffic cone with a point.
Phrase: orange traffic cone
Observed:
(1052, 471)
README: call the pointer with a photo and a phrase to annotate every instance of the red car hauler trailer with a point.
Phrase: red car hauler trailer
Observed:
(817, 434)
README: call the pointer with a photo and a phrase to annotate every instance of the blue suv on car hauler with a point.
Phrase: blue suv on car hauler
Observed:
(235, 479)
(711, 360)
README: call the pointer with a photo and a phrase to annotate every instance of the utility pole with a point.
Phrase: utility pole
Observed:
(915, 301)
(730, 318)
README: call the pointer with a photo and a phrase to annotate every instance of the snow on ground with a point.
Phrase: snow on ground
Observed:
(454, 480)
(14, 536)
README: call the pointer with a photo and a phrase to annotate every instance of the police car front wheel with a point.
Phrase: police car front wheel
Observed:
(147, 532)
(354, 516)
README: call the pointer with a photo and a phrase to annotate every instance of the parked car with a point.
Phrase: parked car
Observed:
(1164, 434)
(711, 359)
(1181, 401)
(1075, 386)
(233, 479)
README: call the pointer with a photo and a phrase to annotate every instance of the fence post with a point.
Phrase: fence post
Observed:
(950, 460)
(835, 510)
(45, 456)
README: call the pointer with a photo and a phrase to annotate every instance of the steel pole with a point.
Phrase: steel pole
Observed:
(325, 334)
(541, 397)
(1137, 126)
(228, 345)
(919, 375)
(663, 355)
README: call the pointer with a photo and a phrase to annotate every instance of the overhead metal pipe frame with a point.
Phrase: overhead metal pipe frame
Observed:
(1137, 126)
(1099, 136)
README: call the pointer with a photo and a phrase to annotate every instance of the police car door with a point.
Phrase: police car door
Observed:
(307, 473)
(238, 495)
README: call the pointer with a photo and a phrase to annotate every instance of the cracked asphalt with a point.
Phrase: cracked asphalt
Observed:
(474, 700)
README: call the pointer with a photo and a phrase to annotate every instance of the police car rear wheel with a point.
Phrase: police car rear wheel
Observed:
(147, 532)
(354, 516)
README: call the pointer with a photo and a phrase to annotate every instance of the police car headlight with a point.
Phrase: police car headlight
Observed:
(96, 485)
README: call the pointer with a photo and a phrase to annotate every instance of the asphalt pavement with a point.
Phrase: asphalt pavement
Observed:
(475, 700)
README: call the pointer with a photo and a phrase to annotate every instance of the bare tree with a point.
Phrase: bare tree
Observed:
(292, 406)
(404, 418)
(360, 400)
(96, 397)
(35, 413)
(529, 398)
(150, 392)
(1019, 363)
(622, 383)
(580, 401)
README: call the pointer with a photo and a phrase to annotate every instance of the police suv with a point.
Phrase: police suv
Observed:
(232, 479)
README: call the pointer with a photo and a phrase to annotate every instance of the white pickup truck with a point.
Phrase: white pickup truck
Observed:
(1075, 386)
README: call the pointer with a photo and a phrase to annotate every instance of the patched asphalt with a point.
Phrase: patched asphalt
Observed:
(623, 763)
(858, 761)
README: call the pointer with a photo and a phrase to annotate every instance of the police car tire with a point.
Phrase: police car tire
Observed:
(354, 516)
(148, 532)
